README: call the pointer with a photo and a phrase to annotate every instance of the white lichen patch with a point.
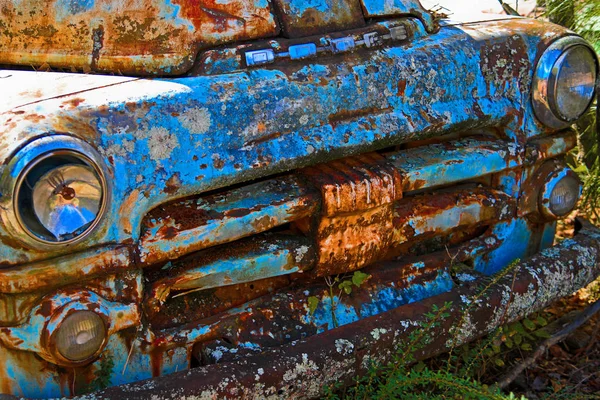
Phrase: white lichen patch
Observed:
(377, 332)
(463, 333)
(344, 347)
(300, 252)
(119, 150)
(161, 143)
(302, 370)
(260, 372)
(196, 120)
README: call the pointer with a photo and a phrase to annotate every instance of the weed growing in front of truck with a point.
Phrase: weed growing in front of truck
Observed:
(344, 285)
(457, 378)
(102, 375)
(457, 328)
(402, 379)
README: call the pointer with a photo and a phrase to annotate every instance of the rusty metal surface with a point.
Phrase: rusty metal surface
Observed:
(301, 18)
(436, 213)
(303, 369)
(125, 37)
(550, 146)
(57, 272)
(459, 160)
(355, 202)
(179, 228)
(386, 8)
(251, 260)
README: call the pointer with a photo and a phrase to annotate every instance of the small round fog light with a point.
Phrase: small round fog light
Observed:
(560, 194)
(80, 336)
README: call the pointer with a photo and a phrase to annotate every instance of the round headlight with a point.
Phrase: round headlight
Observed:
(80, 336)
(564, 196)
(60, 197)
(560, 194)
(564, 83)
(572, 82)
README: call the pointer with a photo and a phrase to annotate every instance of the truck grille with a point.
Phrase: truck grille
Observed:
(207, 254)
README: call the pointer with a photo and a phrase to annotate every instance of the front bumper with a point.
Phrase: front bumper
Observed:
(304, 368)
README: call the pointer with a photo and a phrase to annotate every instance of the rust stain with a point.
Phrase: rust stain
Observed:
(172, 185)
(75, 102)
(124, 210)
(97, 45)
(401, 88)
(343, 116)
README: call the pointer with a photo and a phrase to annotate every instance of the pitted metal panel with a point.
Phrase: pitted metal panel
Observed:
(126, 36)
(304, 18)
(387, 8)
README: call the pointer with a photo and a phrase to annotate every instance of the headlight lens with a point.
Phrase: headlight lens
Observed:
(564, 82)
(60, 197)
(564, 196)
(572, 80)
(80, 336)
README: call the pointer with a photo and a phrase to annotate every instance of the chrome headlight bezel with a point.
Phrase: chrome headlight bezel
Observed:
(27, 159)
(550, 183)
(544, 96)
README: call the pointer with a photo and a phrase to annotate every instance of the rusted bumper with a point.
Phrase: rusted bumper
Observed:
(304, 368)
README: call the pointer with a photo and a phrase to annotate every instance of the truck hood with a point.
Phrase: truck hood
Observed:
(27, 88)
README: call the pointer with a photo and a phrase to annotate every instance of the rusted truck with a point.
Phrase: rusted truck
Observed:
(260, 198)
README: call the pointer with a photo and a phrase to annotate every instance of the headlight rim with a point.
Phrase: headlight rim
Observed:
(544, 82)
(27, 158)
(550, 182)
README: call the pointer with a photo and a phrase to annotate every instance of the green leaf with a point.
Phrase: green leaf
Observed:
(346, 286)
(542, 334)
(313, 303)
(517, 327)
(359, 278)
(499, 362)
(526, 347)
(529, 324)
(518, 339)
(496, 349)
(509, 343)
(419, 367)
(541, 321)
(581, 169)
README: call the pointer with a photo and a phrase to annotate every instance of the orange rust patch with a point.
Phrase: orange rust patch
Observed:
(125, 210)
(172, 185)
(74, 102)
(34, 117)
